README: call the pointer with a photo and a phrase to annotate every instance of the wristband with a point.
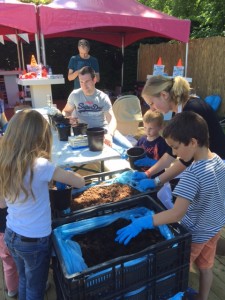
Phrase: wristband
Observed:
(157, 181)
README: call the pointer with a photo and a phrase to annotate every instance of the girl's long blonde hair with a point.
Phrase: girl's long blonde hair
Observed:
(178, 88)
(28, 136)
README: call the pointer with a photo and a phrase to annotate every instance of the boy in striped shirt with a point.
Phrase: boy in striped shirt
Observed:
(199, 204)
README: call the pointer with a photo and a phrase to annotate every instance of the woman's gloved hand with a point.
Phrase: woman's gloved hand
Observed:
(145, 184)
(125, 234)
(145, 162)
(138, 175)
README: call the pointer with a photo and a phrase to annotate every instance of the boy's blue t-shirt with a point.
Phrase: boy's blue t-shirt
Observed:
(154, 149)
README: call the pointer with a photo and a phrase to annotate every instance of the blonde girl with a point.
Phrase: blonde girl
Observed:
(26, 170)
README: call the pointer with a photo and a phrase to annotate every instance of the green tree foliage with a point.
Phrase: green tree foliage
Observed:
(207, 16)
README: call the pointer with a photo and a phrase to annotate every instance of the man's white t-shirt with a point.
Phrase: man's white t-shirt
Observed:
(90, 109)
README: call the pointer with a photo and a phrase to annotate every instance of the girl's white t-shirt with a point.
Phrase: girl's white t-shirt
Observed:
(32, 218)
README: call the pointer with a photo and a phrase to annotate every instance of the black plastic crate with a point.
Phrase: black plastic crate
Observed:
(159, 271)
(161, 289)
(59, 218)
(89, 179)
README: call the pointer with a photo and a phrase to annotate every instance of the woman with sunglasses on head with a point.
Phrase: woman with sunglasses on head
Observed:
(165, 94)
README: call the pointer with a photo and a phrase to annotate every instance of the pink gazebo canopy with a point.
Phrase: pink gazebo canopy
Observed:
(15, 15)
(108, 21)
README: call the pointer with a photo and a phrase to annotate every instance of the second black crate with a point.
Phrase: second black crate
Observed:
(163, 264)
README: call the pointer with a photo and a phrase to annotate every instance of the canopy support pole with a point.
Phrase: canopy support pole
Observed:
(43, 54)
(37, 36)
(22, 54)
(18, 50)
(37, 48)
(122, 69)
(186, 60)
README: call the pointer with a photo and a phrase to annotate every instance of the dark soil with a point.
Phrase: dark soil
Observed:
(98, 246)
(102, 194)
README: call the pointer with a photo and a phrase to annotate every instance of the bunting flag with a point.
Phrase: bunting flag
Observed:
(12, 37)
(2, 39)
(25, 37)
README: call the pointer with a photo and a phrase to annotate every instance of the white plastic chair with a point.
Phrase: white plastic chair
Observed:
(127, 110)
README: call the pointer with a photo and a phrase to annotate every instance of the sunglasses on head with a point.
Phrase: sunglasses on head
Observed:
(83, 44)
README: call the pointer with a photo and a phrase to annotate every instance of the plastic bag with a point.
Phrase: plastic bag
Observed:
(178, 296)
(70, 250)
(165, 195)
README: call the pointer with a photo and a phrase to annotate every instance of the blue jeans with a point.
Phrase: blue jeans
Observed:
(32, 258)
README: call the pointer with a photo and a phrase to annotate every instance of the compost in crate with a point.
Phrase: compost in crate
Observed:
(101, 194)
(112, 190)
(99, 246)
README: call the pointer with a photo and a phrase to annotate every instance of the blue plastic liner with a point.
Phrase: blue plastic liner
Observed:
(70, 250)
(178, 296)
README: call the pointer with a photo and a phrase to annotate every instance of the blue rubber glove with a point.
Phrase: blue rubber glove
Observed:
(145, 162)
(60, 186)
(125, 234)
(138, 175)
(145, 184)
(165, 231)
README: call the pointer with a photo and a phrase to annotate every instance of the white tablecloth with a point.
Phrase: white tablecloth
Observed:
(63, 155)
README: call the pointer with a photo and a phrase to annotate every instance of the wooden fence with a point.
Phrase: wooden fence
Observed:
(206, 64)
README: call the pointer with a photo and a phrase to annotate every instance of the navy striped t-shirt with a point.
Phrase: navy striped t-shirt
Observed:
(203, 184)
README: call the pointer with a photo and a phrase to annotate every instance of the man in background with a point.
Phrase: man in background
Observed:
(81, 60)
